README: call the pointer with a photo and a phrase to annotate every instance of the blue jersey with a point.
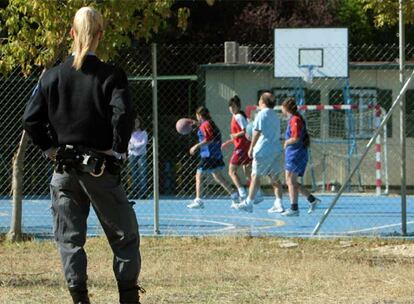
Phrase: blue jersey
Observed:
(296, 155)
(207, 132)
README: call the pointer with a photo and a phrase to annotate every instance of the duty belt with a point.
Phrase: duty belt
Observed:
(85, 160)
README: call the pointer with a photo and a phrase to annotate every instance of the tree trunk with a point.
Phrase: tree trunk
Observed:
(15, 232)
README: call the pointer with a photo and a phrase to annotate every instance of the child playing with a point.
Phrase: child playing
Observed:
(211, 161)
(265, 150)
(239, 157)
(296, 157)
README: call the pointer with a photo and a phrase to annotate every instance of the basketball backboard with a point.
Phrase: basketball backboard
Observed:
(311, 52)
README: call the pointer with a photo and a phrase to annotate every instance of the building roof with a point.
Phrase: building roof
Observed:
(360, 65)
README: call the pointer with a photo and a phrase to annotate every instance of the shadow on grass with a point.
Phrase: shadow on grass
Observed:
(43, 279)
(25, 237)
(28, 280)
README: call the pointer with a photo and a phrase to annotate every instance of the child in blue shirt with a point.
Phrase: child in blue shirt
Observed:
(211, 158)
(296, 157)
(265, 150)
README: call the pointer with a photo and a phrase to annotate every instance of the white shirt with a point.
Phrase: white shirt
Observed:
(267, 122)
(241, 121)
(138, 143)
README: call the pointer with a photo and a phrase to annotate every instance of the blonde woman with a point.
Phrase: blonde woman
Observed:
(85, 103)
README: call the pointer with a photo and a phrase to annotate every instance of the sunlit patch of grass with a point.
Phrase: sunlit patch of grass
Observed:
(220, 270)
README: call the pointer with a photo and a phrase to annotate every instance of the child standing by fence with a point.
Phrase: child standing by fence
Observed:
(137, 155)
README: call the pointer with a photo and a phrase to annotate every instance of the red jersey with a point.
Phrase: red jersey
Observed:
(238, 124)
(296, 126)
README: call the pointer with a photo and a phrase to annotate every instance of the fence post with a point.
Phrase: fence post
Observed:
(402, 123)
(155, 139)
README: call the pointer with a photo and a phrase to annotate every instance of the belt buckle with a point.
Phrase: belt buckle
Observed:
(85, 162)
(100, 173)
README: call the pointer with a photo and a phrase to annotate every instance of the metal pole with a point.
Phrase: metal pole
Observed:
(155, 140)
(350, 130)
(324, 172)
(402, 124)
(369, 145)
(385, 151)
(190, 97)
(378, 150)
(378, 180)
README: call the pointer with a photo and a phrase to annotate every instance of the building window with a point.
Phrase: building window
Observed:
(409, 113)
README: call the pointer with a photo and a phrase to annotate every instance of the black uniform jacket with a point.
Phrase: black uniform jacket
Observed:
(90, 107)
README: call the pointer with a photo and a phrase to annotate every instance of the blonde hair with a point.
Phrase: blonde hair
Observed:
(88, 22)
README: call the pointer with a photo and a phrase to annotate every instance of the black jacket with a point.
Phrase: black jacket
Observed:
(90, 107)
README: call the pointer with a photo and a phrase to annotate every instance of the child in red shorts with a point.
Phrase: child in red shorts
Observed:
(241, 143)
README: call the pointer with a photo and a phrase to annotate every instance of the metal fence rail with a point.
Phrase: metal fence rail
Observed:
(188, 76)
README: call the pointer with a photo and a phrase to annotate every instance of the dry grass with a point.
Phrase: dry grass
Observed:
(221, 270)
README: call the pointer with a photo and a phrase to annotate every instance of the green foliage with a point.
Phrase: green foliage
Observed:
(352, 15)
(37, 32)
(386, 11)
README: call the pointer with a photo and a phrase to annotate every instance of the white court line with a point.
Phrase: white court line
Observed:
(365, 214)
(228, 226)
(223, 216)
(378, 227)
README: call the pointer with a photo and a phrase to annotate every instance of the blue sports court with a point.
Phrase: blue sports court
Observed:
(353, 215)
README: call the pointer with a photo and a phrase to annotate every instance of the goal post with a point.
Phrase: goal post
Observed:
(373, 139)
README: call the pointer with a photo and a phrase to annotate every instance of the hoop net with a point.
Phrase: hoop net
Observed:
(308, 73)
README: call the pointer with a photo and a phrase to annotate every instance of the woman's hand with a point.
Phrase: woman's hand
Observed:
(51, 153)
(107, 152)
(193, 150)
(285, 145)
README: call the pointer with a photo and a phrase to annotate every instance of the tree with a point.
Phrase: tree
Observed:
(383, 15)
(36, 34)
(259, 20)
(386, 11)
(351, 14)
(37, 31)
(253, 22)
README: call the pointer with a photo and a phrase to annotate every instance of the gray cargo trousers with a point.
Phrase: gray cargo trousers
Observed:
(72, 194)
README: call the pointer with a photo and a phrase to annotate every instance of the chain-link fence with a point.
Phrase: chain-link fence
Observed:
(341, 116)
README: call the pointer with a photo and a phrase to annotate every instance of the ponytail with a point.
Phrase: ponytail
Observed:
(306, 138)
(87, 24)
(243, 114)
(205, 114)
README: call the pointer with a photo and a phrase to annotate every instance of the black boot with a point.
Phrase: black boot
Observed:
(129, 292)
(79, 294)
